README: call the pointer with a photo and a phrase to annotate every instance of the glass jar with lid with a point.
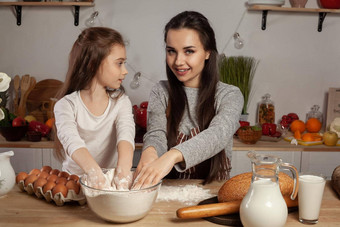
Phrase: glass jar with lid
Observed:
(314, 113)
(266, 110)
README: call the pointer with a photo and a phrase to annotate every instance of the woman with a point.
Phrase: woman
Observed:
(192, 117)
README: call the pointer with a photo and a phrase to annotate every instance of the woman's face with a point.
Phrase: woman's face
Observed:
(112, 70)
(185, 55)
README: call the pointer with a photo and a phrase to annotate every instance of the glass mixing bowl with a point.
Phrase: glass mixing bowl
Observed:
(119, 206)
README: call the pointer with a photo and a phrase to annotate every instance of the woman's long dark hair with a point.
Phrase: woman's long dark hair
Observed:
(92, 46)
(205, 109)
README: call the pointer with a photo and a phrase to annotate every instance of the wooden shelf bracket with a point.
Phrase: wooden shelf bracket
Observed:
(322, 16)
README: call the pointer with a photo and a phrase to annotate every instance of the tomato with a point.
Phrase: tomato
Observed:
(39, 127)
(18, 121)
(268, 129)
(144, 105)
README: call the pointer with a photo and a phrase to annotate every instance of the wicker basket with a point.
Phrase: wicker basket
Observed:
(249, 136)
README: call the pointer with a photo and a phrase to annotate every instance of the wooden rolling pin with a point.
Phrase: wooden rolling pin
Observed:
(216, 209)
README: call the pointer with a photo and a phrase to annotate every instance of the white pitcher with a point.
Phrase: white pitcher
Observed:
(263, 205)
(7, 174)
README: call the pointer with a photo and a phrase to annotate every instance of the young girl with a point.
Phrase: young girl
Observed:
(192, 117)
(93, 118)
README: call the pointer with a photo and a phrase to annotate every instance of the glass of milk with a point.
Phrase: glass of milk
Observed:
(311, 187)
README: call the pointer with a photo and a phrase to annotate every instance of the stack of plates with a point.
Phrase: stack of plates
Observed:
(266, 2)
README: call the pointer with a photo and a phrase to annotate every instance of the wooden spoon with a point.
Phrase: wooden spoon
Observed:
(16, 83)
(24, 86)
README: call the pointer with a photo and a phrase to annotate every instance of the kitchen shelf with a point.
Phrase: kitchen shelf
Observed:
(266, 8)
(237, 146)
(18, 7)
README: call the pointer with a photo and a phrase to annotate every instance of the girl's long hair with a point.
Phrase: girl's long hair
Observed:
(92, 46)
(205, 109)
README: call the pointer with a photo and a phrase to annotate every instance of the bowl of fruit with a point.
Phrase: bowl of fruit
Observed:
(13, 128)
(13, 133)
(249, 134)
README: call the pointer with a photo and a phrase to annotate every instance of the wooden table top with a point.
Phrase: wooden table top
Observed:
(20, 209)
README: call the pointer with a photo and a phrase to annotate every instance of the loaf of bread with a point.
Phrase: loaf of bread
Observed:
(336, 180)
(237, 187)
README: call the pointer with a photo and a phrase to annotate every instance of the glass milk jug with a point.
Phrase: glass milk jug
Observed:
(263, 205)
(7, 174)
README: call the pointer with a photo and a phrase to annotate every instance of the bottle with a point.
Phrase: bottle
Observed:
(266, 110)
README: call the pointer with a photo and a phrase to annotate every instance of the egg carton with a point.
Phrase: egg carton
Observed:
(58, 198)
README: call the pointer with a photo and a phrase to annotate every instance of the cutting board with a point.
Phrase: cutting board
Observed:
(39, 103)
(304, 143)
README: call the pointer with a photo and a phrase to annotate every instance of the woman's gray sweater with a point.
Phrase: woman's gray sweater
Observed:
(207, 143)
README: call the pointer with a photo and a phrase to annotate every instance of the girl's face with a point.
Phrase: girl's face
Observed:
(112, 70)
(185, 55)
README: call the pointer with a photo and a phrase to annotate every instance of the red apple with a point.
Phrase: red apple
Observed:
(18, 121)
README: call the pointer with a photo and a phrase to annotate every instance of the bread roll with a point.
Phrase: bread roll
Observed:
(237, 187)
(336, 180)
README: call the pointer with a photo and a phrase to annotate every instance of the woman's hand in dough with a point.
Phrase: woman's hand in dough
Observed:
(148, 155)
(152, 173)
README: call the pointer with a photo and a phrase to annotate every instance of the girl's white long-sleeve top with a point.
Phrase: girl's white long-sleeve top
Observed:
(78, 128)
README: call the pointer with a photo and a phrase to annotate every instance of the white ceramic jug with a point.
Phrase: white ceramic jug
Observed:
(263, 205)
(7, 174)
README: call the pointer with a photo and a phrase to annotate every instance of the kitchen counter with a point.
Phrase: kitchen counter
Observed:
(20, 209)
(281, 145)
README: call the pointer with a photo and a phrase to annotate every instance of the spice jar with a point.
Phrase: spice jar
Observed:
(314, 113)
(266, 110)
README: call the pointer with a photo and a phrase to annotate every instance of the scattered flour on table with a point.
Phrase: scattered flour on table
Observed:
(187, 194)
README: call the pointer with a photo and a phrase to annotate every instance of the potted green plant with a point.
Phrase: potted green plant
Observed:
(239, 71)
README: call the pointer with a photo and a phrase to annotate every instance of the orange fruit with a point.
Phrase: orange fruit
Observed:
(307, 137)
(297, 125)
(317, 136)
(50, 122)
(297, 135)
(313, 125)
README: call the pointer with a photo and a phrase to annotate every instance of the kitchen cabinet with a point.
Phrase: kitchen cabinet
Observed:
(18, 7)
(26, 159)
(241, 163)
(265, 8)
(320, 162)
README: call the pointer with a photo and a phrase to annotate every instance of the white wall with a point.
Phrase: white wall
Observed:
(297, 63)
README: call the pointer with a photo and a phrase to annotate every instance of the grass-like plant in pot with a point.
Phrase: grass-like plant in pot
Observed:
(239, 71)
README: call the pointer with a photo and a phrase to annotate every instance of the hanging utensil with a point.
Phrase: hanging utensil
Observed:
(16, 83)
(24, 86)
